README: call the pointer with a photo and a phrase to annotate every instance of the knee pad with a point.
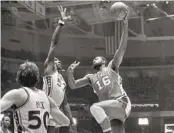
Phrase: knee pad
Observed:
(98, 113)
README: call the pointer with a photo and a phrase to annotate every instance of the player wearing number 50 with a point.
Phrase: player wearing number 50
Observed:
(114, 106)
(32, 107)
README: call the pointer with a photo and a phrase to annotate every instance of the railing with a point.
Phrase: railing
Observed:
(148, 62)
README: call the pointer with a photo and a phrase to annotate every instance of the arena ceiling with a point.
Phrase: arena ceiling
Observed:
(147, 18)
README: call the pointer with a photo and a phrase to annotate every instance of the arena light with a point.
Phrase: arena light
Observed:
(167, 2)
(147, 5)
(154, 5)
(143, 121)
(75, 121)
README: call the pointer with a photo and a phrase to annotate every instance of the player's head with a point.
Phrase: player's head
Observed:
(98, 62)
(57, 63)
(5, 121)
(28, 74)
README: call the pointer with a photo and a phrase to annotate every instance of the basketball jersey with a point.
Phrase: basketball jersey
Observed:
(107, 84)
(54, 86)
(33, 116)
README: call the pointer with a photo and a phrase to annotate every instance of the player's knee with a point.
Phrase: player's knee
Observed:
(93, 109)
(98, 113)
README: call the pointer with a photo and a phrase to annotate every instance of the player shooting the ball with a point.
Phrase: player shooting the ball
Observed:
(114, 105)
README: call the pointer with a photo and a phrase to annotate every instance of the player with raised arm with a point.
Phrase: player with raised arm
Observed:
(114, 106)
(53, 82)
(32, 107)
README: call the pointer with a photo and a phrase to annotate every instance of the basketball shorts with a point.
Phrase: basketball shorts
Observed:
(52, 121)
(116, 108)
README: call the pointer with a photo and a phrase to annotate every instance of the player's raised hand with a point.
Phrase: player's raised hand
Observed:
(63, 13)
(73, 65)
(125, 20)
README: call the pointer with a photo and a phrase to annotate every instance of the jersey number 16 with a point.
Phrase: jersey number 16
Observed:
(103, 82)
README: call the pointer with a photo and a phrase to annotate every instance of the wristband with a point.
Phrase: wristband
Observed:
(61, 23)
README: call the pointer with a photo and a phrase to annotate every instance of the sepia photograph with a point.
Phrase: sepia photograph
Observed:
(87, 66)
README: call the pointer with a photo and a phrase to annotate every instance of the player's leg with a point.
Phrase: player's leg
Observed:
(51, 129)
(101, 117)
(58, 129)
(65, 107)
(117, 110)
(118, 124)
(64, 129)
(51, 126)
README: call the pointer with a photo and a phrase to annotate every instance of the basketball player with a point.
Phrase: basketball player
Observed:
(114, 106)
(32, 107)
(54, 84)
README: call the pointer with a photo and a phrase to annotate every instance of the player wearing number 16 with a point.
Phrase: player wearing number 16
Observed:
(32, 107)
(114, 105)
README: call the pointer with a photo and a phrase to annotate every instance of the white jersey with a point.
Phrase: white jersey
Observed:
(54, 86)
(33, 116)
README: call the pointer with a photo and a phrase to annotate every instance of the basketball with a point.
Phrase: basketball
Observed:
(118, 10)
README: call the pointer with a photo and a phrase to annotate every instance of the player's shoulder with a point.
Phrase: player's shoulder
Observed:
(42, 92)
(112, 69)
(49, 68)
(52, 74)
(18, 96)
(22, 93)
(17, 92)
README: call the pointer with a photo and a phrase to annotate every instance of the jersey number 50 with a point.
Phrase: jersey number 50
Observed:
(34, 115)
(104, 82)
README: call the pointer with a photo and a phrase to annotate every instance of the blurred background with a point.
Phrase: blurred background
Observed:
(147, 69)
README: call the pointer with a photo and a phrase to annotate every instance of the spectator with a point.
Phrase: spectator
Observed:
(5, 124)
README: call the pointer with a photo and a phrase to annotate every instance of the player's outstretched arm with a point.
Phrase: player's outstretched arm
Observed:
(118, 56)
(67, 111)
(14, 97)
(59, 117)
(74, 84)
(55, 36)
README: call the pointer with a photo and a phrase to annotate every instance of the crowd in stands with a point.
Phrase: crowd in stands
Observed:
(145, 61)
